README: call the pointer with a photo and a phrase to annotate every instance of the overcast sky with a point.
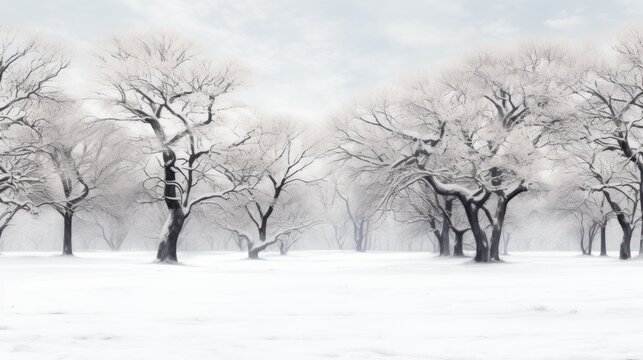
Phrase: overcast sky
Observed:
(307, 57)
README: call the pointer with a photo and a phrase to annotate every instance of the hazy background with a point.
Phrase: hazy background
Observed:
(309, 57)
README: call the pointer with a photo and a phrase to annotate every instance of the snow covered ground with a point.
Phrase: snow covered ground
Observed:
(319, 305)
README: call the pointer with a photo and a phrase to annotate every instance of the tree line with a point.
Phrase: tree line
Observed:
(443, 153)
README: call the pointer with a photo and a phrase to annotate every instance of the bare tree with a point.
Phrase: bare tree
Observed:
(419, 204)
(607, 114)
(297, 215)
(163, 83)
(362, 209)
(29, 67)
(286, 156)
(85, 158)
(333, 213)
(474, 134)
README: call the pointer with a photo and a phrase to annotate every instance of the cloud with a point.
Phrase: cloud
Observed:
(309, 56)
(499, 27)
(565, 21)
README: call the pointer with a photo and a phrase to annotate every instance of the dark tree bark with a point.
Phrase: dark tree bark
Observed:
(625, 251)
(67, 209)
(170, 237)
(472, 209)
(176, 218)
(603, 240)
(261, 222)
(479, 235)
(457, 248)
(627, 228)
(68, 215)
(253, 251)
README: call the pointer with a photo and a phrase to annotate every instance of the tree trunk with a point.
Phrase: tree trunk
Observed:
(359, 245)
(2, 241)
(457, 248)
(170, 235)
(641, 205)
(67, 216)
(582, 240)
(445, 246)
(253, 251)
(360, 239)
(625, 252)
(496, 233)
(482, 243)
(627, 228)
(480, 237)
(176, 218)
(603, 240)
(283, 249)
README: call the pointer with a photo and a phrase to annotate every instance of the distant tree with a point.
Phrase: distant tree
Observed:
(606, 115)
(363, 210)
(298, 214)
(85, 160)
(333, 213)
(286, 157)
(29, 67)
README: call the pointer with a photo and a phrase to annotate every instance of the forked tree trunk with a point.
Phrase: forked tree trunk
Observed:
(170, 236)
(479, 235)
(471, 209)
(68, 215)
(603, 240)
(253, 251)
(359, 233)
(496, 233)
(627, 228)
(359, 245)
